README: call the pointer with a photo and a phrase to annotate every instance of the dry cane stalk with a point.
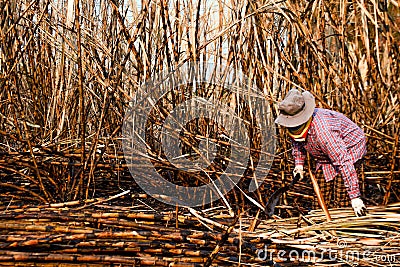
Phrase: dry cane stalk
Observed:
(214, 253)
(82, 124)
(317, 191)
(389, 185)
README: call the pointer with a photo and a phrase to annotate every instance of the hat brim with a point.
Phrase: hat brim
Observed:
(301, 117)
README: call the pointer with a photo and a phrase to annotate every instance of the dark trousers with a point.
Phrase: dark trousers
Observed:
(334, 192)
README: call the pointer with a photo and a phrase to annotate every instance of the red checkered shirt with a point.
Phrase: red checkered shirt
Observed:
(336, 143)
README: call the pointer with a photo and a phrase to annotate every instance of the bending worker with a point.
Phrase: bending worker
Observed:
(336, 143)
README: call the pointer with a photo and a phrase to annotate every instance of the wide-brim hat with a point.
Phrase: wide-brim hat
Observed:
(296, 109)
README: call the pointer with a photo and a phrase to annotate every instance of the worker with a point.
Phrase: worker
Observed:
(335, 142)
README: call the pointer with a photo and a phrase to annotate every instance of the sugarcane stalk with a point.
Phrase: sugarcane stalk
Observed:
(389, 185)
(317, 191)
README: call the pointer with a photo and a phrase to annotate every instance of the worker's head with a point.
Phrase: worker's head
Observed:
(295, 112)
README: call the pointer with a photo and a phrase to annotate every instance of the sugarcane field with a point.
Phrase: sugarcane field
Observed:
(199, 133)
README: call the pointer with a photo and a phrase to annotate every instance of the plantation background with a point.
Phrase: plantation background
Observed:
(68, 70)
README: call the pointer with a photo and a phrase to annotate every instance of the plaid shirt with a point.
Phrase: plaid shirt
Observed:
(336, 143)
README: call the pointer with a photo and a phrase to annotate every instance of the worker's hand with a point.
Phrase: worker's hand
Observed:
(298, 170)
(358, 207)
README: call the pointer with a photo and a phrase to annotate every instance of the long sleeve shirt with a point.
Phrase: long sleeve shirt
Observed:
(336, 143)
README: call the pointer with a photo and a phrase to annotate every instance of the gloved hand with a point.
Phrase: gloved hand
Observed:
(358, 207)
(298, 170)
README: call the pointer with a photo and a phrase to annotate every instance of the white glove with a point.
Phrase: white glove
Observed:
(358, 207)
(298, 170)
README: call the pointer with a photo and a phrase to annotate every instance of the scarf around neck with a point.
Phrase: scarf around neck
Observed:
(299, 133)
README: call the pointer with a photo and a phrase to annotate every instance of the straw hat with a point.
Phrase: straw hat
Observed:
(296, 108)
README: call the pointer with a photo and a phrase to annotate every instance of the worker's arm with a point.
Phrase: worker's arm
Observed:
(334, 147)
(299, 155)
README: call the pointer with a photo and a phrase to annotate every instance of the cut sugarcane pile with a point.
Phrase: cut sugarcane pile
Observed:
(96, 234)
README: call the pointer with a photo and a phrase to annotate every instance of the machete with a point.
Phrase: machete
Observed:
(274, 198)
